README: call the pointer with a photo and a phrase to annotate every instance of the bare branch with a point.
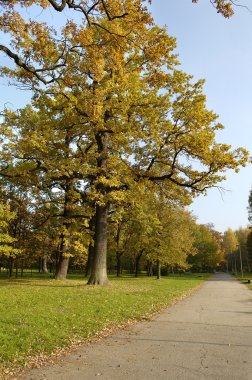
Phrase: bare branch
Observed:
(57, 7)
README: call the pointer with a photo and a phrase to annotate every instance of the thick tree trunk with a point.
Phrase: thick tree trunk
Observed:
(99, 268)
(98, 274)
(62, 267)
(61, 272)
(158, 270)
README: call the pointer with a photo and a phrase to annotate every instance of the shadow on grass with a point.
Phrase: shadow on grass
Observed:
(46, 280)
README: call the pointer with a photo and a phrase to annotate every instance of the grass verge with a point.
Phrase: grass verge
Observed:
(246, 279)
(40, 315)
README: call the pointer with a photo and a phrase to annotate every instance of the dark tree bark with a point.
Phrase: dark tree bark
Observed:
(158, 270)
(118, 264)
(10, 266)
(90, 249)
(235, 265)
(99, 269)
(22, 267)
(39, 265)
(150, 268)
(118, 253)
(89, 260)
(138, 258)
(249, 270)
(16, 267)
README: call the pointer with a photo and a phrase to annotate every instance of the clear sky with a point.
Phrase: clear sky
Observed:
(220, 51)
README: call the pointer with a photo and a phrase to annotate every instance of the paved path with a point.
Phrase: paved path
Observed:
(206, 336)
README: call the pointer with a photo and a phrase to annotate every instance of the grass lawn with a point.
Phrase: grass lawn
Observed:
(244, 280)
(39, 315)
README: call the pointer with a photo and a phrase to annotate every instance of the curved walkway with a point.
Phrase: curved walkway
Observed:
(206, 336)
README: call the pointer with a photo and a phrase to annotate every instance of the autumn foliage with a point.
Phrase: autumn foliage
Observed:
(111, 115)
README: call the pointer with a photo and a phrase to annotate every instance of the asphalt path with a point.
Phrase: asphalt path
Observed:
(205, 336)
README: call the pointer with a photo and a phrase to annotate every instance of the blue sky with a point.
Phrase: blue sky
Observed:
(220, 51)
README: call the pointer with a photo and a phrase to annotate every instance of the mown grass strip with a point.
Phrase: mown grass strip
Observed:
(246, 279)
(41, 315)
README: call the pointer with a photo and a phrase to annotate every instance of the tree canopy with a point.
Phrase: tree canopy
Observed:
(110, 109)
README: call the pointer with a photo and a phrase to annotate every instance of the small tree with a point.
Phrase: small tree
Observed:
(230, 244)
(7, 242)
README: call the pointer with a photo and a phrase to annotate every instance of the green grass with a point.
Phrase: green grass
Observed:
(244, 280)
(38, 315)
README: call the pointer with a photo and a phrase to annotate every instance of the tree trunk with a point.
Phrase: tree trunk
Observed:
(63, 257)
(10, 266)
(248, 266)
(62, 267)
(235, 264)
(118, 264)
(22, 267)
(118, 253)
(158, 270)
(39, 265)
(16, 275)
(149, 268)
(61, 272)
(99, 269)
(44, 264)
(89, 260)
(90, 249)
(138, 258)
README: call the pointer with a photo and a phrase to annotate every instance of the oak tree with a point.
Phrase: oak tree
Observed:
(145, 120)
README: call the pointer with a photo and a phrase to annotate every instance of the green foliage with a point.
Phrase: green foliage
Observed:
(110, 109)
(208, 250)
(230, 241)
(249, 246)
(6, 241)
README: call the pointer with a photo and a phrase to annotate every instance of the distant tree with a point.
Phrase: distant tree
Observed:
(230, 243)
(249, 249)
(208, 250)
(242, 237)
(7, 242)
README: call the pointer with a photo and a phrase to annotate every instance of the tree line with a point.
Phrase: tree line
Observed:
(115, 142)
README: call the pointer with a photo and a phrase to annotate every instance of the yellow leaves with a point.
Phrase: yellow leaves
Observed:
(85, 36)
(224, 7)
(6, 241)
(118, 76)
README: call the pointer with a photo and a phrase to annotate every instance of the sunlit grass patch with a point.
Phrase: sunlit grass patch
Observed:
(39, 315)
(246, 279)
